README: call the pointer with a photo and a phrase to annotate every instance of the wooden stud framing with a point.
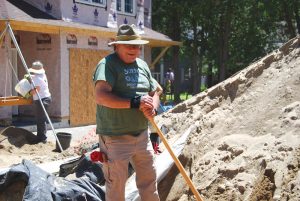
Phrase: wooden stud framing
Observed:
(14, 100)
(44, 27)
(161, 54)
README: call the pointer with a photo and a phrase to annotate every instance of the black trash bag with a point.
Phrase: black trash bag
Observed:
(83, 166)
(69, 167)
(42, 186)
(92, 170)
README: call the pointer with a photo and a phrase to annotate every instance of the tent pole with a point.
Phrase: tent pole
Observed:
(4, 31)
(26, 68)
(2, 34)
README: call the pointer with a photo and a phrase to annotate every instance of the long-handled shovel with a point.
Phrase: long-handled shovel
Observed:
(177, 162)
(10, 31)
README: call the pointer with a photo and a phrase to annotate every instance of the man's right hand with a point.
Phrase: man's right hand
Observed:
(148, 113)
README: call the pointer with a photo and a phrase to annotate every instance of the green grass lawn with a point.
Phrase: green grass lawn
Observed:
(183, 97)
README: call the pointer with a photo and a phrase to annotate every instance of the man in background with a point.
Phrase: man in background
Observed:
(39, 79)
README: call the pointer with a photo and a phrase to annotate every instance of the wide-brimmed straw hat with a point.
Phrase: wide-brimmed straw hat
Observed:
(37, 68)
(127, 35)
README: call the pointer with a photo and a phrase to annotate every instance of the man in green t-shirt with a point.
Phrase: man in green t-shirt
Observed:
(126, 98)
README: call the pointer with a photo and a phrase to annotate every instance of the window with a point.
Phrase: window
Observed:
(98, 1)
(126, 6)
(119, 5)
(101, 3)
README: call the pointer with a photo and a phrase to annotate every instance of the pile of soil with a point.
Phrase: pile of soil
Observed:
(17, 144)
(246, 145)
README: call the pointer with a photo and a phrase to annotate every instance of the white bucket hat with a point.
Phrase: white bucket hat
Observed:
(37, 68)
(128, 36)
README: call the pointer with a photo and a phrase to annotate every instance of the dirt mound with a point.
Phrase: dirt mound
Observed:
(17, 136)
(17, 144)
(246, 145)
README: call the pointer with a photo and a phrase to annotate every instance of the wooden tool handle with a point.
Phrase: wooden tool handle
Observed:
(177, 162)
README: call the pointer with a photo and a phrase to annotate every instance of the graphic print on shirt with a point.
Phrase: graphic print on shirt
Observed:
(131, 77)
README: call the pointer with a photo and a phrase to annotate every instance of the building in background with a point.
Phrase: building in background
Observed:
(69, 37)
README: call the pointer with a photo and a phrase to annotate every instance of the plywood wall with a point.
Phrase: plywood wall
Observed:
(82, 98)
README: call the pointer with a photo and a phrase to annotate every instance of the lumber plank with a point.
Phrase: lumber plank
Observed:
(14, 100)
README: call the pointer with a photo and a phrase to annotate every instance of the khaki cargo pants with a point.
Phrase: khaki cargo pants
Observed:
(121, 150)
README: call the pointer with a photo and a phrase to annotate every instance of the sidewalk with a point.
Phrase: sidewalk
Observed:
(76, 132)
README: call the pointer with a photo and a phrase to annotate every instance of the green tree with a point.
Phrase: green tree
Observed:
(167, 17)
(220, 37)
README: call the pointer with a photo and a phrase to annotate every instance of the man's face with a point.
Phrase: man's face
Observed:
(128, 53)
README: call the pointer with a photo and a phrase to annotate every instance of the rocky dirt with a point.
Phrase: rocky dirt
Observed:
(246, 145)
(246, 141)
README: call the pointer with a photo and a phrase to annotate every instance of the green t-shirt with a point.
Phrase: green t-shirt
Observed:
(127, 81)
